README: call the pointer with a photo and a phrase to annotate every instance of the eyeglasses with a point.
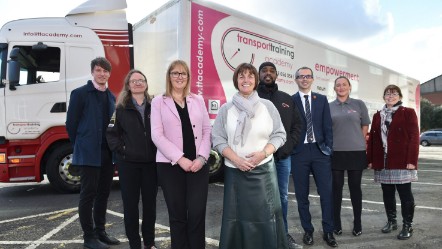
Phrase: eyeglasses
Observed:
(177, 74)
(395, 94)
(304, 77)
(139, 81)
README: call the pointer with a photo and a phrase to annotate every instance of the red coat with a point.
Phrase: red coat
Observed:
(403, 140)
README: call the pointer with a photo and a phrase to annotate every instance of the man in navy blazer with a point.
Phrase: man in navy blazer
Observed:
(312, 155)
(90, 109)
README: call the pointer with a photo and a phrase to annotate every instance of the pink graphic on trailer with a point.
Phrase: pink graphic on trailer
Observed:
(205, 80)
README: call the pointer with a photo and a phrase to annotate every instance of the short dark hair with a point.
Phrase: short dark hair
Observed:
(245, 67)
(343, 77)
(392, 88)
(297, 71)
(101, 62)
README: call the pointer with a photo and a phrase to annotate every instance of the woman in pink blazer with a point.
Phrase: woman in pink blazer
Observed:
(181, 131)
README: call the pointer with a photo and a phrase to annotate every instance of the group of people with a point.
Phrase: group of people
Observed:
(264, 134)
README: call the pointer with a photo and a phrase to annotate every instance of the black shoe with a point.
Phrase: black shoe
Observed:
(337, 231)
(407, 231)
(105, 238)
(390, 226)
(292, 243)
(331, 241)
(94, 243)
(356, 233)
(308, 238)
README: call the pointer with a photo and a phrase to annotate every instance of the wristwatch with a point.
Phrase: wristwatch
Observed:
(265, 153)
(203, 159)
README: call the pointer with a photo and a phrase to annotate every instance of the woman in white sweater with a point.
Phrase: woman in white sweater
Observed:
(247, 131)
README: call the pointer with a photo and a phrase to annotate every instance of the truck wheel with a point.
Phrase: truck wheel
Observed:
(62, 176)
(216, 171)
(425, 143)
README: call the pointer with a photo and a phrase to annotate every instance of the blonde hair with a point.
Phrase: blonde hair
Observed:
(125, 95)
(172, 65)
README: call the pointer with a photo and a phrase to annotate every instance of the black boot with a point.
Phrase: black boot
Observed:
(391, 223)
(407, 214)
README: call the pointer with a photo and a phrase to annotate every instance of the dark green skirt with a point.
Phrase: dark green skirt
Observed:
(252, 214)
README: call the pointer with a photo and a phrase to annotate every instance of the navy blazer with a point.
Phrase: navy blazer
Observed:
(84, 121)
(322, 122)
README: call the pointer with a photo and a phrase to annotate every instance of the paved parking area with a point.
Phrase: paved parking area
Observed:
(35, 216)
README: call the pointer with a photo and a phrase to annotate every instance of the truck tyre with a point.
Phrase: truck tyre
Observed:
(425, 143)
(216, 171)
(62, 176)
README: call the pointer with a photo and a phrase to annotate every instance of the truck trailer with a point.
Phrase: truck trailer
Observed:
(43, 59)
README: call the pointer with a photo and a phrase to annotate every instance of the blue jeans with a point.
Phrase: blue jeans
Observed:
(283, 167)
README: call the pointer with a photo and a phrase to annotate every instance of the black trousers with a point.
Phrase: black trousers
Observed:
(185, 194)
(95, 188)
(354, 185)
(136, 179)
(389, 195)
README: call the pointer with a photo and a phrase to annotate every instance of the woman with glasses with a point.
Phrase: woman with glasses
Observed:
(393, 149)
(181, 131)
(128, 136)
(350, 126)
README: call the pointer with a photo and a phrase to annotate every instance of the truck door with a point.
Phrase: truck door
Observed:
(38, 102)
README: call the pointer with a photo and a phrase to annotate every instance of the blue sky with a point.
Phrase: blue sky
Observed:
(403, 35)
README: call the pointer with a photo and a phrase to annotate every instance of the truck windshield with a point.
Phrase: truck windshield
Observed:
(3, 60)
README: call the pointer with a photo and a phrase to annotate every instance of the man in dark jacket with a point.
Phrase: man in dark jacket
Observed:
(90, 109)
(291, 120)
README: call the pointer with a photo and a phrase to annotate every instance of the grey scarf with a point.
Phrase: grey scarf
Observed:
(246, 108)
(386, 118)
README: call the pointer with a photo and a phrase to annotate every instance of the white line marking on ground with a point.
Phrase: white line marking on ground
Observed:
(35, 244)
(45, 239)
(366, 201)
(208, 240)
(39, 215)
(375, 202)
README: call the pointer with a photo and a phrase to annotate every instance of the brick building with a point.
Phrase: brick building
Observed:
(432, 90)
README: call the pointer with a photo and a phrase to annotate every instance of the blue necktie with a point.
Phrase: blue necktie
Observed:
(308, 117)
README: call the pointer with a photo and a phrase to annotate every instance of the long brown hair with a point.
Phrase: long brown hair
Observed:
(125, 95)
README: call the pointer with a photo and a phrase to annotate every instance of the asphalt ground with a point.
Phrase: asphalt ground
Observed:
(34, 215)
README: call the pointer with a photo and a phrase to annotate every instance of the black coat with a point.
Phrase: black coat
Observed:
(290, 117)
(128, 137)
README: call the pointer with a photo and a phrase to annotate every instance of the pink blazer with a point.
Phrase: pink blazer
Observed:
(167, 132)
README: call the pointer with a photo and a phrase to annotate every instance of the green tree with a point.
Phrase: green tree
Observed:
(427, 116)
(437, 117)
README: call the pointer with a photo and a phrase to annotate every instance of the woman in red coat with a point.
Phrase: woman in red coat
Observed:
(393, 149)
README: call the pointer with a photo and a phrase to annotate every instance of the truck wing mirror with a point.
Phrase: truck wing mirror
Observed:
(13, 69)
